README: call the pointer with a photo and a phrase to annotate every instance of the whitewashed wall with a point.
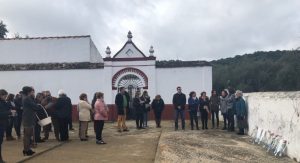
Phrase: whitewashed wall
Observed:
(189, 78)
(73, 82)
(50, 50)
(278, 112)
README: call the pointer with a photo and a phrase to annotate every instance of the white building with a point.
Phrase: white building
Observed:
(74, 64)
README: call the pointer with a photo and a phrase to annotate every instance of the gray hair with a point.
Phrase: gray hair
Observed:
(238, 92)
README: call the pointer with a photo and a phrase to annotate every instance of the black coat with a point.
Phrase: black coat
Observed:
(119, 103)
(158, 105)
(63, 107)
(203, 103)
(179, 100)
(137, 106)
(4, 113)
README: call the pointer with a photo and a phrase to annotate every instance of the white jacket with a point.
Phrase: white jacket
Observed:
(84, 109)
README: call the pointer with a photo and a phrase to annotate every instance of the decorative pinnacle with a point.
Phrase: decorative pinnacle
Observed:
(151, 50)
(129, 36)
(108, 52)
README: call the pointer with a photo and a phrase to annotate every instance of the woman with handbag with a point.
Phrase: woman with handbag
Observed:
(145, 99)
(204, 109)
(84, 109)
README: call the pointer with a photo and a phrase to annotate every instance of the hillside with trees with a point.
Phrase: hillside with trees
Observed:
(259, 72)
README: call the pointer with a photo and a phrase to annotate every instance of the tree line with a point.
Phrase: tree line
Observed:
(259, 72)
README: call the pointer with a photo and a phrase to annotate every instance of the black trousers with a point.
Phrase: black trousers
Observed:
(55, 127)
(157, 115)
(230, 119)
(98, 127)
(139, 119)
(225, 120)
(63, 129)
(37, 132)
(70, 122)
(213, 114)
(19, 122)
(204, 118)
(2, 130)
(194, 118)
(12, 123)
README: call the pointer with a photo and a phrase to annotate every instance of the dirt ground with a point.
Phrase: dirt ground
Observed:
(155, 145)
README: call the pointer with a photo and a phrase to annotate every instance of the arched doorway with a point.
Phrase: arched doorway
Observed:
(133, 80)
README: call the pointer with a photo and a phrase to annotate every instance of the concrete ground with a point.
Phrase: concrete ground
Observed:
(150, 145)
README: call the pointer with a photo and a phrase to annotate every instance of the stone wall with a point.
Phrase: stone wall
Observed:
(278, 112)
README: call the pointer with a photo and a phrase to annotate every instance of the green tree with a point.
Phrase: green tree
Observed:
(3, 30)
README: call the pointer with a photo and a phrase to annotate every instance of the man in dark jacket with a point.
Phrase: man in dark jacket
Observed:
(122, 103)
(179, 102)
(29, 117)
(62, 112)
(4, 113)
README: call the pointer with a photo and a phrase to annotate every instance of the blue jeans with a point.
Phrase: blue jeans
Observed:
(145, 124)
(182, 116)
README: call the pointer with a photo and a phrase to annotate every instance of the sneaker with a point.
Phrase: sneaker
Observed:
(125, 130)
(100, 142)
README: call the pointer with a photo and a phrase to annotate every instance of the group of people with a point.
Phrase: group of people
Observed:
(230, 103)
(142, 105)
(27, 109)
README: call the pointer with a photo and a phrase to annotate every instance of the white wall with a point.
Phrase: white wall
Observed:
(278, 112)
(189, 78)
(73, 82)
(50, 50)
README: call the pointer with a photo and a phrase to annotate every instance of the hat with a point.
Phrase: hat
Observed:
(61, 92)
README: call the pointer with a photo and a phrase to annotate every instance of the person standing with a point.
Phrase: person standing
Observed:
(29, 118)
(214, 103)
(204, 109)
(48, 103)
(37, 128)
(122, 102)
(12, 120)
(4, 115)
(19, 109)
(145, 98)
(223, 107)
(84, 109)
(241, 112)
(179, 102)
(62, 111)
(101, 115)
(193, 108)
(139, 111)
(230, 112)
(158, 106)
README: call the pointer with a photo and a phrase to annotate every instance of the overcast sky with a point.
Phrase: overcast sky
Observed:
(178, 29)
